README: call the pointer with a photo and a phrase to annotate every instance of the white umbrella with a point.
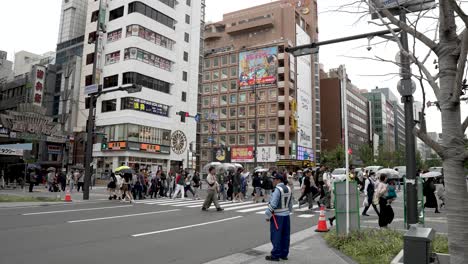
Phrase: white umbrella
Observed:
(215, 164)
(237, 165)
(261, 170)
(390, 172)
(431, 174)
(229, 167)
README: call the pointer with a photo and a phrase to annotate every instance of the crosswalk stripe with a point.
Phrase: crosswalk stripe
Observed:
(193, 206)
(306, 215)
(176, 202)
(244, 206)
(252, 209)
(236, 204)
(185, 204)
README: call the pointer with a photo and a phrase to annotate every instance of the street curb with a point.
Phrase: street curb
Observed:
(253, 254)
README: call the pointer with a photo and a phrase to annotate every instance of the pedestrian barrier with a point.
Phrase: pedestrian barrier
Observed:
(322, 222)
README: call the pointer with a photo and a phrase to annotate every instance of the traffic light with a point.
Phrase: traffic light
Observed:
(104, 145)
(183, 115)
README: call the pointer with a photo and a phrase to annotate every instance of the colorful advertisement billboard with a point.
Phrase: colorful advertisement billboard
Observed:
(242, 154)
(258, 67)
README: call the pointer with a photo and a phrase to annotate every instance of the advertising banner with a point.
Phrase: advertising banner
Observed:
(305, 153)
(266, 154)
(222, 155)
(242, 154)
(258, 67)
(38, 84)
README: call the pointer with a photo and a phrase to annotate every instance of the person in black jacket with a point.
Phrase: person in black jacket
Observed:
(267, 186)
(257, 185)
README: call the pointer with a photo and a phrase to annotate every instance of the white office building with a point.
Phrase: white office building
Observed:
(155, 44)
(72, 22)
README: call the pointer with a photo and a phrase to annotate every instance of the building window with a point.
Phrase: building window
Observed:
(233, 58)
(242, 111)
(170, 3)
(242, 140)
(273, 124)
(92, 37)
(214, 88)
(222, 126)
(114, 35)
(188, 2)
(273, 94)
(146, 81)
(272, 138)
(113, 57)
(251, 110)
(251, 139)
(224, 87)
(138, 7)
(261, 139)
(262, 110)
(233, 85)
(116, 13)
(223, 100)
(186, 37)
(224, 73)
(109, 106)
(242, 125)
(206, 101)
(90, 58)
(233, 112)
(215, 75)
(187, 19)
(88, 80)
(94, 16)
(184, 97)
(262, 96)
(232, 140)
(262, 123)
(215, 62)
(207, 63)
(149, 35)
(207, 76)
(252, 97)
(214, 100)
(233, 99)
(223, 113)
(224, 60)
(242, 97)
(206, 89)
(205, 128)
(233, 71)
(273, 108)
(149, 58)
(232, 125)
(111, 81)
(184, 76)
(185, 56)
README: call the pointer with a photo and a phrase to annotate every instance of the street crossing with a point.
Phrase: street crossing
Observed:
(238, 207)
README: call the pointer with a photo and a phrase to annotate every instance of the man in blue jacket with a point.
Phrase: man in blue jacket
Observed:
(277, 213)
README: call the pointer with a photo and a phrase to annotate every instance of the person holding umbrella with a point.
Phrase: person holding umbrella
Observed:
(277, 213)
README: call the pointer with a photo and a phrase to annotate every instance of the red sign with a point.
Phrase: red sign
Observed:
(242, 154)
(38, 83)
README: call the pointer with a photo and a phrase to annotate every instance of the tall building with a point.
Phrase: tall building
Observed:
(398, 118)
(426, 151)
(332, 123)
(6, 68)
(155, 44)
(72, 19)
(383, 118)
(245, 54)
(25, 60)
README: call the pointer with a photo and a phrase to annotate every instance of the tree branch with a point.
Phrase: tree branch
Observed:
(420, 36)
(431, 143)
(459, 11)
(464, 125)
(460, 67)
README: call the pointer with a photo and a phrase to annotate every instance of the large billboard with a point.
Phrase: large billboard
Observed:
(242, 154)
(258, 67)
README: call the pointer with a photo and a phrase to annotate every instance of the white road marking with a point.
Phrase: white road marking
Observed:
(306, 215)
(252, 209)
(185, 227)
(176, 203)
(243, 206)
(198, 205)
(236, 204)
(169, 202)
(77, 210)
(121, 216)
(185, 204)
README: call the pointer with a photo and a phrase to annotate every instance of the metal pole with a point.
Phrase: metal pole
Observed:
(345, 117)
(90, 123)
(411, 192)
(256, 121)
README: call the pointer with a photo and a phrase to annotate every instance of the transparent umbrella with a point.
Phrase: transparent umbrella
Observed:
(215, 164)
(431, 174)
(390, 172)
(229, 167)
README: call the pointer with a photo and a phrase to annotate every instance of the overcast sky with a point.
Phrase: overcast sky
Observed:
(34, 27)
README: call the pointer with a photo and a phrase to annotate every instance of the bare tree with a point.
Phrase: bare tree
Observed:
(448, 87)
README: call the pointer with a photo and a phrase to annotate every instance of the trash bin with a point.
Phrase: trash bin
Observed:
(417, 245)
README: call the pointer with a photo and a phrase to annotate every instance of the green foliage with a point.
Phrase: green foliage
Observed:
(366, 154)
(375, 246)
(433, 161)
(334, 158)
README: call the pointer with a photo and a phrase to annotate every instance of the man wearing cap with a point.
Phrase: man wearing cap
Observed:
(277, 213)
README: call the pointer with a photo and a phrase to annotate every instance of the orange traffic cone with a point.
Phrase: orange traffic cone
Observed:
(68, 196)
(322, 223)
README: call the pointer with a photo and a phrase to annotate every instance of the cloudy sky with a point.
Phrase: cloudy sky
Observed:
(35, 29)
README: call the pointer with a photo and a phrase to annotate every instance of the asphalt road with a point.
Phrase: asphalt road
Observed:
(116, 232)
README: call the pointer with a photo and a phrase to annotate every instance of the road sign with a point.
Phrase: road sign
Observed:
(90, 89)
(197, 118)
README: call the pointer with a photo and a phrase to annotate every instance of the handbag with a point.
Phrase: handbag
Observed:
(365, 203)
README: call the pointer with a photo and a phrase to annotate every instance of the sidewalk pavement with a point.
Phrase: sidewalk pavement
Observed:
(307, 247)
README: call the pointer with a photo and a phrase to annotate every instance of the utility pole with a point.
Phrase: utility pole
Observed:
(406, 90)
(90, 123)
